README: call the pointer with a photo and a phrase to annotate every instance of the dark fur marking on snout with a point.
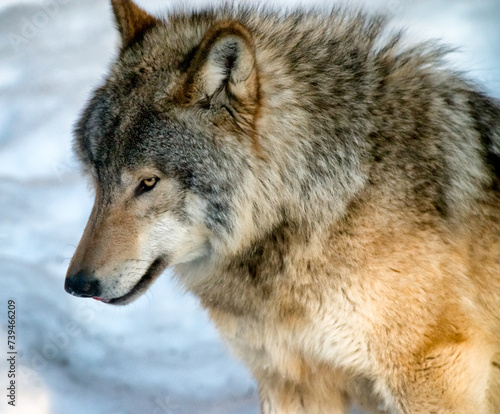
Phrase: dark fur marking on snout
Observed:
(151, 274)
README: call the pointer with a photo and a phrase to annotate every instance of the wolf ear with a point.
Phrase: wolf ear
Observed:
(223, 70)
(131, 20)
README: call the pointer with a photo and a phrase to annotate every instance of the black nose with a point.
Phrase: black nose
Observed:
(82, 284)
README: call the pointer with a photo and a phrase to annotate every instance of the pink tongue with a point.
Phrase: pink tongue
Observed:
(99, 299)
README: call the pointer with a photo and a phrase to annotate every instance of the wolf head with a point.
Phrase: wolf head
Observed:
(167, 141)
(212, 129)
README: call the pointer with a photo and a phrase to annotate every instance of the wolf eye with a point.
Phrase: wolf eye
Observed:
(146, 185)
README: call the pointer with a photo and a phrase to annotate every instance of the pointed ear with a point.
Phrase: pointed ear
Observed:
(131, 20)
(223, 70)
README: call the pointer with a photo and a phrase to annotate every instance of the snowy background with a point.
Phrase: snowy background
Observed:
(160, 355)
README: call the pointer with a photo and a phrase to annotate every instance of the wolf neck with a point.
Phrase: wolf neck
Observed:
(300, 189)
(314, 147)
(310, 180)
(314, 164)
(314, 141)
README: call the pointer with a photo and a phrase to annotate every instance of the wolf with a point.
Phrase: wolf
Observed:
(331, 195)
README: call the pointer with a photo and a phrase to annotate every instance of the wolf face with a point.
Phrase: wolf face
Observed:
(161, 140)
(197, 149)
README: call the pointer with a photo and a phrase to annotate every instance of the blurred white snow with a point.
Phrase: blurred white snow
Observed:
(160, 355)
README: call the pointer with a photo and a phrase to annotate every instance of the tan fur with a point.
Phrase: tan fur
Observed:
(417, 349)
(107, 234)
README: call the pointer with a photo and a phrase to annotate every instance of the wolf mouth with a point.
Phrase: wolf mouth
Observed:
(156, 268)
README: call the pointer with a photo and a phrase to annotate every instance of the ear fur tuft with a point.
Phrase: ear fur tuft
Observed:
(224, 70)
(132, 21)
(228, 55)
